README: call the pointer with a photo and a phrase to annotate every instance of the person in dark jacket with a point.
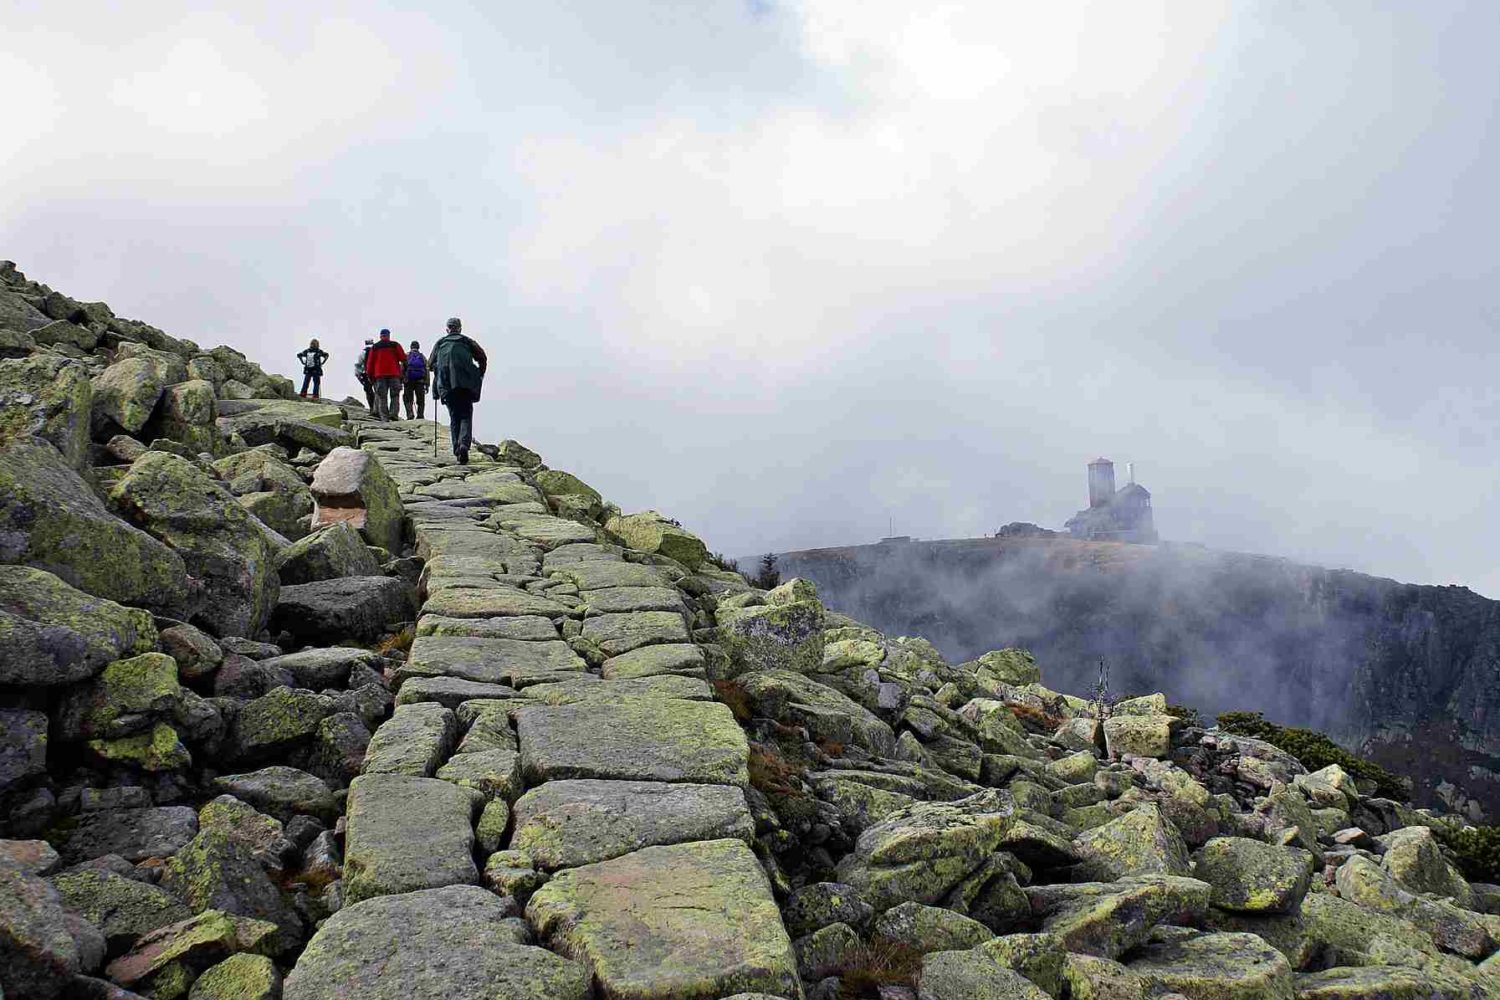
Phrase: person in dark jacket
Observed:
(458, 366)
(416, 383)
(312, 368)
(363, 378)
(385, 366)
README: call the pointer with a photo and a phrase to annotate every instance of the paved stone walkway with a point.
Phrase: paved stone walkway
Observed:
(554, 740)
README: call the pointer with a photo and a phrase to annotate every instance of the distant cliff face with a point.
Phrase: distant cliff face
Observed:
(1409, 673)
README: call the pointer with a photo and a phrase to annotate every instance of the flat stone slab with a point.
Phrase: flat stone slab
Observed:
(489, 661)
(648, 661)
(134, 834)
(533, 628)
(495, 774)
(621, 633)
(686, 921)
(414, 740)
(545, 530)
(405, 834)
(600, 574)
(453, 943)
(613, 600)
(644, 739)
(565, 824)
(316, 669)
(498, 602)
(586, 686)
(449, 692)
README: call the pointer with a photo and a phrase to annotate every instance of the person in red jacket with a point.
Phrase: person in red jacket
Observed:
(385, 366)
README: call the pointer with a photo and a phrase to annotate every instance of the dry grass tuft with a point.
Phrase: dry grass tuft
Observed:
(874, 965)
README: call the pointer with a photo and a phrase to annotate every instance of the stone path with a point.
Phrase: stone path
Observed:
(553, 739)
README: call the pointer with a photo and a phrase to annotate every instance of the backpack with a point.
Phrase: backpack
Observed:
(416, 366)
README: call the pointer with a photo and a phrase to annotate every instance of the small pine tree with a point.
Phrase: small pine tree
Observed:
(769, 576)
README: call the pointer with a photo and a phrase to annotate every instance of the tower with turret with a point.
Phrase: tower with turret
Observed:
(1122, 515)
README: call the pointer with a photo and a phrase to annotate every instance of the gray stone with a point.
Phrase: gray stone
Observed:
(282, 792)
(23, 746)
(512, 662)
(355, 607)
(405, 834)
(38, 955)
(196, 653)
(47, 397)
(971, 975)
(648, 661)
(123, 908)
(316, 669)
(529, 627)
(564, 824)
(280, 720)
(622, 600)
(134, 834)
(454, 943)
(1228, 966)
(223, 546)
(34, 857)
(52, 520)
(633, 738)
(327, 554)
(126, 393)
(493, 773)
(413, 741)
(55, 634)
(351, 486)
(449, 692)
(686, 920)
(924, 929)
(823, 903)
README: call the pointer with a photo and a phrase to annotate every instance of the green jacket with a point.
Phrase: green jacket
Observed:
(457, 363)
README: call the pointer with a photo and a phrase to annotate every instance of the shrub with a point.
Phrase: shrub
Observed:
(1186, 713)
(1315, 750)
(1476, 851)
(725, 563)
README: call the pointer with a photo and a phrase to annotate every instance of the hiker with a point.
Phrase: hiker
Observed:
(458, 366)
(418, 379)
(384, 366)
(312, 368)
(364, 379)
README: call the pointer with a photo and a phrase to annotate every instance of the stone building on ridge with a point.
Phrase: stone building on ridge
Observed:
(1113, 515)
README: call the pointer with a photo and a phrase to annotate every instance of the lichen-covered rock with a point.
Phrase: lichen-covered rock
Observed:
(407, 833)
(239, 977)
(971, 975)
(47, 397)
(1253, 876)
(774, 636)
(1364, 882)
(1413, 856)
(651, 532)
(218, 871)
(126, 393)
(1107, 919)
(414, 740)
(167, 960)
(1228, 966)
(327, 554)
(186, 415)
(51, 519)
(122, 908)
(1142, 842)
(282, 792)
(686, 920)
(279, 720)
(644, 739)
(352, 486)
(790, 697)
(1093, 978)
(999, 667)
(1139, 735)
(38, 956)
(924, 851)
(125, 698)
(224, 547)
(923, 929)
(565, 824)
(453, 943)
(23, 746)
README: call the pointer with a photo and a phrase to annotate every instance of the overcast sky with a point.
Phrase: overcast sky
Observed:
(794, 271)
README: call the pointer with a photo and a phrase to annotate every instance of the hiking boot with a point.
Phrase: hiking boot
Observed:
(463, 458)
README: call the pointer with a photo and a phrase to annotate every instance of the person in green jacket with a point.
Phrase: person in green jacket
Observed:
(458, 366)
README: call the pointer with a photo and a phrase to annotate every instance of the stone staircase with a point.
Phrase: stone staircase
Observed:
(556, 806)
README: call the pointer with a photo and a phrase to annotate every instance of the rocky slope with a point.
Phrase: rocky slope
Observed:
(1411, 674)
(291, 706)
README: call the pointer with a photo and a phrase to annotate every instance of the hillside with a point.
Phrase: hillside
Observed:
(1378, 664)
(294, 705)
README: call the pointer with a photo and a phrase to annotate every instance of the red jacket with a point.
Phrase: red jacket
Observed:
(387, 359)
